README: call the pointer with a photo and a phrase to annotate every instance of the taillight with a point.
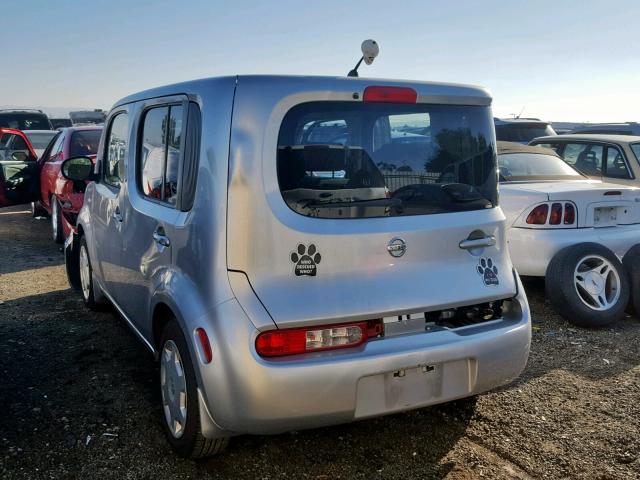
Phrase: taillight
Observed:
(556, 214)
(292, 341)
(538, 215)
(206, 354)
(390, 95)
(569, 214)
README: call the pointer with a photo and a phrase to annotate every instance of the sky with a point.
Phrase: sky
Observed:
(561, 60)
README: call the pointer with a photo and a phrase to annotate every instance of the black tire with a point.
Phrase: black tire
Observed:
(563, 293)
(37, 210)
(56, 221)
(631, 263)
(191, 443)
(88, 296)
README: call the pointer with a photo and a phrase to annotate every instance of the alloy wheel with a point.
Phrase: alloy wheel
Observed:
(597, 282)
(173, 386)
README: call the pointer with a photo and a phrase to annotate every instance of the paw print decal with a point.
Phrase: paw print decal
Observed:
(306, 259)
(488, 271)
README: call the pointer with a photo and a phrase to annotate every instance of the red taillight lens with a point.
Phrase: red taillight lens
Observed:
(390, 95)
(556, 214)
(292, 341)
(569, 214)
(205, 347)
(538, 215)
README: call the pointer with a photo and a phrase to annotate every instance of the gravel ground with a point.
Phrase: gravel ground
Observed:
(79, 399)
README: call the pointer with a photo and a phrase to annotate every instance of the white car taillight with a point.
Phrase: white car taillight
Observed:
(560, 214)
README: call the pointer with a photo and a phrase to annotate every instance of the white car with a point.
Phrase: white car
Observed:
(576, 232)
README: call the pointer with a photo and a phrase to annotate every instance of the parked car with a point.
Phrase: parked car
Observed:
(39, 139)
(612, 158)
(18, 168)
(88, 117)
(268, 314)
(58, 123)
(60, 198)
(626, 128)
(521, 130)
(24, 119)
(577, 233)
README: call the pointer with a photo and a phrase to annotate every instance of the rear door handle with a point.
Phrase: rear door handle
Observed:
(488, 241)
(117, 215)
(161, 238)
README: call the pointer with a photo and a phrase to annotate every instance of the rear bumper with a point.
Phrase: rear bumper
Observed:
(531, 250)
(247, 394)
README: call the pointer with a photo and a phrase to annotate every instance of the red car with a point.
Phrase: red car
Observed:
(59, 197)
(18, 166)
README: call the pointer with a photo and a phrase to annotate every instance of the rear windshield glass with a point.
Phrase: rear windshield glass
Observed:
(534, 167)
(84, 142)
(40, 140)
(358, 160)
(522, 132)
(25, 121)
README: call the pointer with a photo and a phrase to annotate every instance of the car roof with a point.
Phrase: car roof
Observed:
(82, 128)
(515, 121)
(39, 131)
(472, 94)
(505, 148)
(596, 137)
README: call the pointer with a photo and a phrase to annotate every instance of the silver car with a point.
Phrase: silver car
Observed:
(299, 251)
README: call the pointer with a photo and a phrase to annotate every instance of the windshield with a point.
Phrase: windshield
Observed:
(534, 167)
(84, 142)
(358, 160)
(40, 140)
(25, 121)
(523, 132)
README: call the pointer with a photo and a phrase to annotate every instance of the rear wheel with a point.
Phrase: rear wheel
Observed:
(87, 288)
(56, 221)
(587, 285)
(180, 398)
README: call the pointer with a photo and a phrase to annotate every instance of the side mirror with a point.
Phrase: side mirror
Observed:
(19, 156)
(77, 169)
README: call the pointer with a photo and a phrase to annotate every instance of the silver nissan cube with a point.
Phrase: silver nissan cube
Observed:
(302, 251)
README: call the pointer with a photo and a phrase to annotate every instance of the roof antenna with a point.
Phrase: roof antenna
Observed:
(520, 114)
(370, 51)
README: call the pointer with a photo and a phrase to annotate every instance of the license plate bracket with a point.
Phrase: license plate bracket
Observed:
(605, 216)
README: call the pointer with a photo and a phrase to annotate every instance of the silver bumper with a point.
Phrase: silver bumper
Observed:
(245, 393)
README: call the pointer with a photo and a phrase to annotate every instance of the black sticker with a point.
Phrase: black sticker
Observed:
(306, 259)
(488, 271)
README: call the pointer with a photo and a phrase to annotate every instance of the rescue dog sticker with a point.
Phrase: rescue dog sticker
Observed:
(305, 258)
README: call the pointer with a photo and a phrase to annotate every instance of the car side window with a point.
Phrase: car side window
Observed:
(56, 150)
(616, 167)
(585, 157)
(117, 146)
(160, 153)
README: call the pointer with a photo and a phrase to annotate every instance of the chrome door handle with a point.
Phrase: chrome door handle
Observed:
(160, 238)
(117, 215)
(488, 241)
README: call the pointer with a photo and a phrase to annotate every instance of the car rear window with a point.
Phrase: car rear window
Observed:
(84, 142)
(534, 166)
(25, 121)
(359, 160)
(523, 132)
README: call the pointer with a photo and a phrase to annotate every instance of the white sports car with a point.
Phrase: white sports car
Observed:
(577, 233)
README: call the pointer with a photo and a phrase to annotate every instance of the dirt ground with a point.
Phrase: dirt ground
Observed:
(79, 399)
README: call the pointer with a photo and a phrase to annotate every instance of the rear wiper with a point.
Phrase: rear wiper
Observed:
(374, 202)
(461, 192)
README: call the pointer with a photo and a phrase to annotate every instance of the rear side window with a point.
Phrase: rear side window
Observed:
(522, 132)
(84, 142)
(160, 153)
(359, 160)
(25, 121)
(616, 167)
(584, 157)
(117, 145)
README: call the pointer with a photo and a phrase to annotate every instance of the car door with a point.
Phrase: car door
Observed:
(50, 166)
(151, 209)
(106, 213)
(19, 178)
